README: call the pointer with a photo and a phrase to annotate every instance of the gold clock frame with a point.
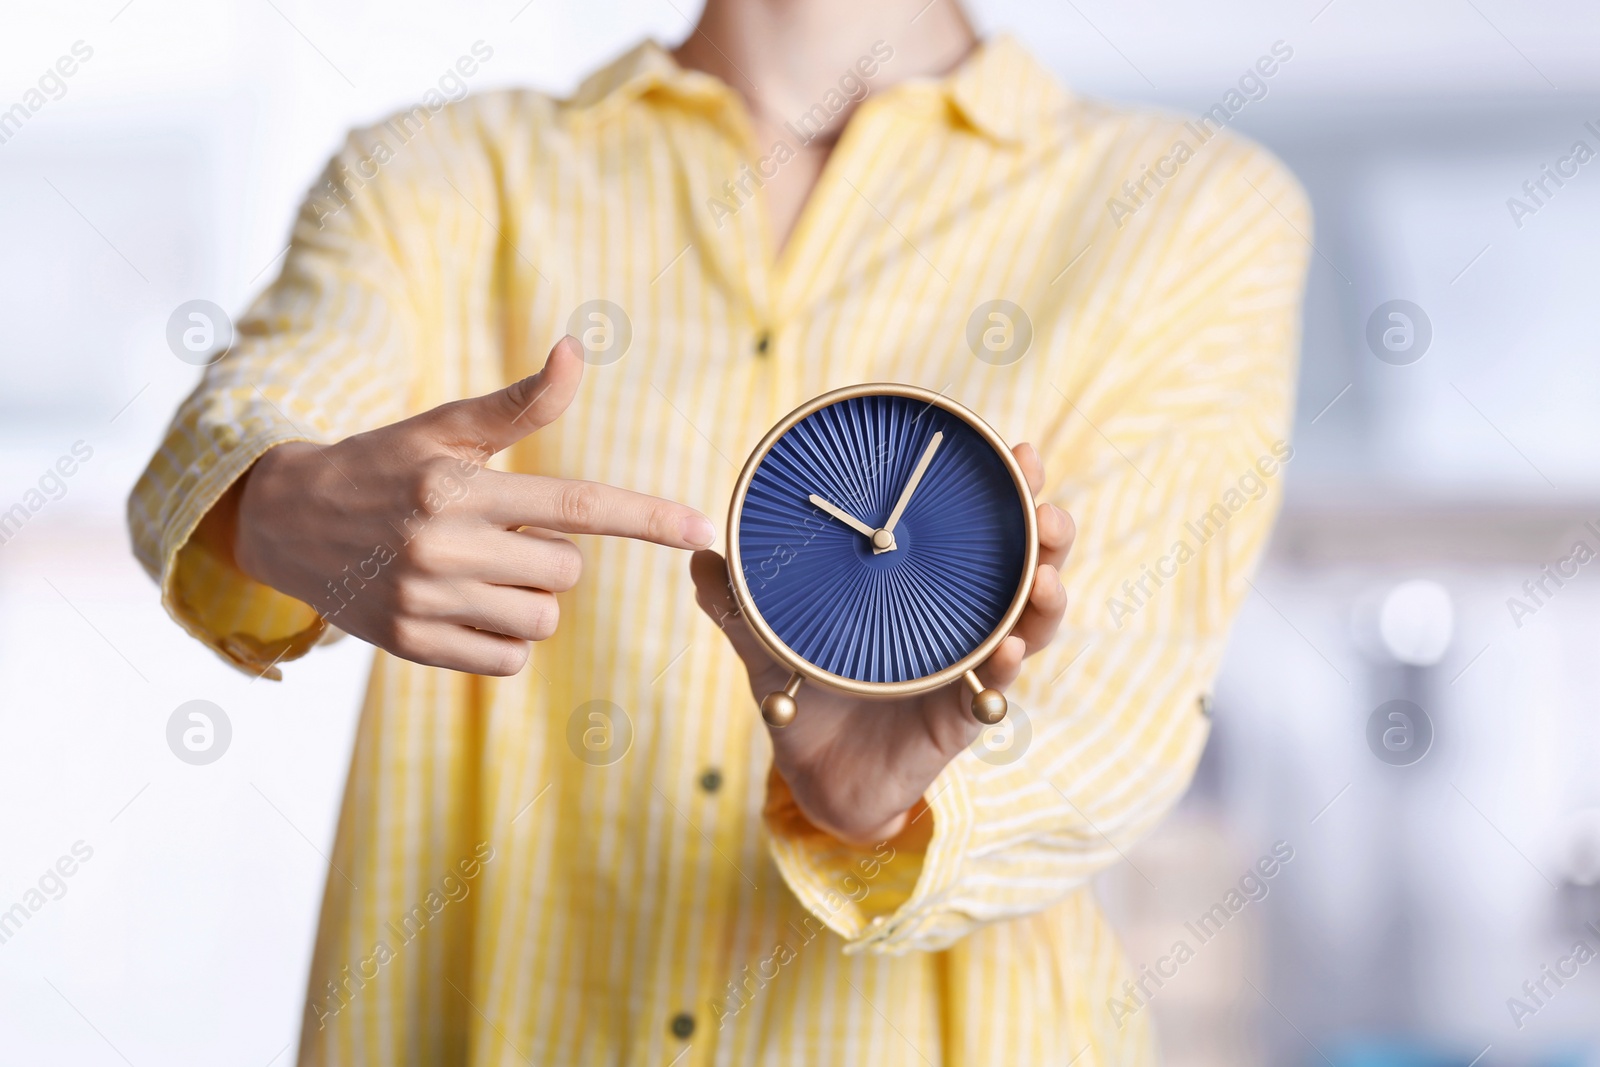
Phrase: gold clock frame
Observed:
(988, 705)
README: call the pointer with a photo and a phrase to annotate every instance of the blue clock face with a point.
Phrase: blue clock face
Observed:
(882, 538)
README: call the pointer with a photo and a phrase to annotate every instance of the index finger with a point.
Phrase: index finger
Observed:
(578, 507)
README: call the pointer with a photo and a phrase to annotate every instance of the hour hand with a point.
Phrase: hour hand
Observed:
(843, 516)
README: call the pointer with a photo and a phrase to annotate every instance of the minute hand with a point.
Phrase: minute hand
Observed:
(913, 481)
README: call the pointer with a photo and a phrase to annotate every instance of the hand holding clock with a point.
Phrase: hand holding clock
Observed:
(857, 766)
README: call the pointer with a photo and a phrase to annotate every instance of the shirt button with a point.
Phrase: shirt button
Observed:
(682, 1025)
(711, 781)
(763, 342)
(1205, 705)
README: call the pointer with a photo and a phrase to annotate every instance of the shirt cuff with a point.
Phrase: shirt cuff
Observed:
(252, 626)
(889, 898)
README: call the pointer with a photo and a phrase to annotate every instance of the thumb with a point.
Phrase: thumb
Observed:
(500, 419)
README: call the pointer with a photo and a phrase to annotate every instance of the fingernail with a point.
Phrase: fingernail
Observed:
(699, 532)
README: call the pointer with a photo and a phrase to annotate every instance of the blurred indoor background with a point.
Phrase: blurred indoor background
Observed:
(1445, 850)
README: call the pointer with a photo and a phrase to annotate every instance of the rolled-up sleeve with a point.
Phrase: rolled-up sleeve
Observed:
(330, 349)
(1170, 453)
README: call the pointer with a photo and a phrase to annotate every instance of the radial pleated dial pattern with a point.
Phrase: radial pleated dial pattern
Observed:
(959, 545)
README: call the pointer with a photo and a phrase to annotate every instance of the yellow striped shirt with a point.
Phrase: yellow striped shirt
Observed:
(516, 880)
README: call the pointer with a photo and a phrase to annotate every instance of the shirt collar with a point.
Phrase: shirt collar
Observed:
(1004, 93)
(1000, 89)
(642, 69)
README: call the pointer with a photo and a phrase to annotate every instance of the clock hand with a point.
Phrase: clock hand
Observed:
(911, 487)
(843, 516)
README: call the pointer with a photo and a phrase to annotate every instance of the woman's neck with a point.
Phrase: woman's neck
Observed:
(803, 66)
(785, 56)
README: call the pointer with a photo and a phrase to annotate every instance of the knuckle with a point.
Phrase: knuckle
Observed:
(513, 657)
(451, 414)
(578, 504)
(659, 524)
(459, 419)
(546, 617)
(411, 599)
(519, 396)
(436, 483)
(566, 566)
(403, 638)
(426, 556)
(431, 475)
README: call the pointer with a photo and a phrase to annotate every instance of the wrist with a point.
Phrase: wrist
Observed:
(262, 492)
(850, 828)
(889, 830)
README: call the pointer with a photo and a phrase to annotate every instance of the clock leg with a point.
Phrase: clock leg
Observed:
(779, 707)
(988, 705)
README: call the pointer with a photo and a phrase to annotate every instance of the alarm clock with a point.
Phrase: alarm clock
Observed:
(882, 540)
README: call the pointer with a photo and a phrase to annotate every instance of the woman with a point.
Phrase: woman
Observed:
(567, 837)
